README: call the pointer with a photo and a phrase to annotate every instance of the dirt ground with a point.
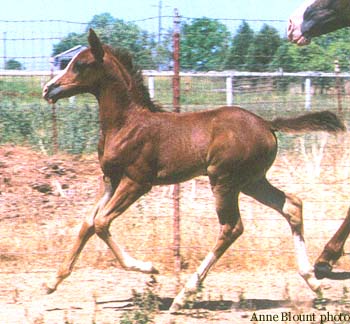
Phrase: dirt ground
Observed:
(44, 198)
(96, 296)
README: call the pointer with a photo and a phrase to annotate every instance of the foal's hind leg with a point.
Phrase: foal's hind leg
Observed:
(86, 231)
(231, 228)
(291, 208)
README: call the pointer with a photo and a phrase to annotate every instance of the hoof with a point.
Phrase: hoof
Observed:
(145, 267)
(152, 282)
(178, 302)
(322, 270)
(154, 271)
(47, 289)
(174, 308)
(150, 269)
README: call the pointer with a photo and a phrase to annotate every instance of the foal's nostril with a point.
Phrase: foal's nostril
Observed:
(45, 90)
(290, 29)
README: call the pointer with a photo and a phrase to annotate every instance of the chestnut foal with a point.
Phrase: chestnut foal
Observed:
(141, 146)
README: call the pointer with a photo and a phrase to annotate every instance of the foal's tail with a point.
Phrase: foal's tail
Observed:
(325, 121)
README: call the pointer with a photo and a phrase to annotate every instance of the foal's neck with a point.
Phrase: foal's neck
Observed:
(115, 106)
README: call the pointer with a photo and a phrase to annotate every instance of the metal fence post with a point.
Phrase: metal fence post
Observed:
(54, 120)
(338, 86)
(5, 47)
(176, 104)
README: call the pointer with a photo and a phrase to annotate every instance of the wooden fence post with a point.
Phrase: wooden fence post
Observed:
(307, 93)
(229, 91)
(151, 86)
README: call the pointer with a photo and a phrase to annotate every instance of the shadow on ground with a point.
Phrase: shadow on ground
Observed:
(223, 305)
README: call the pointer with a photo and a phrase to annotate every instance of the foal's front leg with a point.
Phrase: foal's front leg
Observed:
(126, 194)
(86, 231)
(333, 250)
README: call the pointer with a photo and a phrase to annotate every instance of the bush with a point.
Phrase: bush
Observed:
(32, 124)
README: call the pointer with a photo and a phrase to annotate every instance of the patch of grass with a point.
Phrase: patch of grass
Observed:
(146, 305)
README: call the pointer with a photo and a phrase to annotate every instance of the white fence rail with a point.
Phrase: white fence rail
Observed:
(228, 75)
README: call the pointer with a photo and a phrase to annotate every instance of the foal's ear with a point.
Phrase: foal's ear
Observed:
(96, 46)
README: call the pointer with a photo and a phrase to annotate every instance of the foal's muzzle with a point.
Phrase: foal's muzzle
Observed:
(51, 92)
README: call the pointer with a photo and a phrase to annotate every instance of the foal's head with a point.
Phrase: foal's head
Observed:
(94, 70)
(83, 74)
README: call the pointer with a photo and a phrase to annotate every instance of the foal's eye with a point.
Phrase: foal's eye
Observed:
(79, 67)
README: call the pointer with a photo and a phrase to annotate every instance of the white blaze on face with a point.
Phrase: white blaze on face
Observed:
(58, 76)
(295, 22)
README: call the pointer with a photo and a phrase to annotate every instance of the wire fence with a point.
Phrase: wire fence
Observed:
(28, 119)
(31, 42)
(315, 167)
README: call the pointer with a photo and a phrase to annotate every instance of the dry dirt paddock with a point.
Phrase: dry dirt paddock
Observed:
(44, 198)
(92, 295)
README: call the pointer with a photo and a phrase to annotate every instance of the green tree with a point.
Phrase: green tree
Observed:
(263, 49)
(116, 33)
(339, 49)
(71, 40)
(293, 58)
(314, 58)
(204, 44)
(164, 51)
(318, 56)
(100, 21)
(287, 58)
(131, 37)
(13, 65)
(237, 54)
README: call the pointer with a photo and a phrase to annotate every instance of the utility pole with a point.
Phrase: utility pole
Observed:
(160, 9)
(160, 6)
(5, 50)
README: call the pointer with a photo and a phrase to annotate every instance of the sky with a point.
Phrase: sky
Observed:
(84, 10)
(12, 12)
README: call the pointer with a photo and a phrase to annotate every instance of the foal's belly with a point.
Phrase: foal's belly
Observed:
(180, 173)
(183, 156)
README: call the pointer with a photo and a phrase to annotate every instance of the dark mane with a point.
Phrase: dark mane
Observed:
(141, 94)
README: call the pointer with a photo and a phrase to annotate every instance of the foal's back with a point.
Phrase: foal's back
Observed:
(226, 138)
